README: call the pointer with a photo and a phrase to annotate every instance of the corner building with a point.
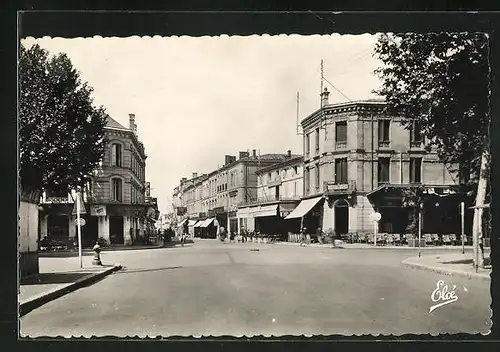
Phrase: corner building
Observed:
(357, 159)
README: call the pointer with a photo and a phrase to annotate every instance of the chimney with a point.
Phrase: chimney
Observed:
(289, 153)
(243, 155)
(195, 174)
(228, 159)
(324, 97)
(254, 153)
(131, 122)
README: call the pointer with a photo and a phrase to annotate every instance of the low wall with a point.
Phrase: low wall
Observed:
(28, 239)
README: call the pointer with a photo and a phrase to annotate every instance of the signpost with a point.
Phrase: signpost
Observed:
(419, 231)
(79, 223)
(376, 216)
(462, 215)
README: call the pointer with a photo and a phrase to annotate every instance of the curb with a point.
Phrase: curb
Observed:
(411, 264)
(37, 301)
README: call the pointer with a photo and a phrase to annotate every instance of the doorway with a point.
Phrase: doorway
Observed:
(341, 213)
(116, 230)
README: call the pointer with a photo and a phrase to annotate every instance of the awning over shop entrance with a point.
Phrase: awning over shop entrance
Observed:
(303, 208)
(181, 223)
(207, 222)
(192, 222)
(266, 210)
(199, 223)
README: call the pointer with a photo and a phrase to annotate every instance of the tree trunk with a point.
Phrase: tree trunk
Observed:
(477, 227)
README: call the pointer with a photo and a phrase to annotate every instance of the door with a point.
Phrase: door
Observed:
(342, 217)
(116, 230)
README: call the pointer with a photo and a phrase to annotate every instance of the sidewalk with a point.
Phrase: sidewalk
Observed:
(371, 246)
(450, 264)
(59, 276)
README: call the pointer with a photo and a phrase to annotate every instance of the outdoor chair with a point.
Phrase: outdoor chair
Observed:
(362, 238)
(446, 240)
(396, 239)
(428, 238)
(453, 239)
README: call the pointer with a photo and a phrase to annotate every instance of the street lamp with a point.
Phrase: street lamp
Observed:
(421, 207)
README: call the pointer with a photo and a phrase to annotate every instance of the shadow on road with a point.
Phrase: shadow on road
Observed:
(52, 278)
(128, 271)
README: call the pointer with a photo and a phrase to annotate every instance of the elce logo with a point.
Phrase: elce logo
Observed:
(441, 296)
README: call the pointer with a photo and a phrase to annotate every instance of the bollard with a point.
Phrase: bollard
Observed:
(97, 255)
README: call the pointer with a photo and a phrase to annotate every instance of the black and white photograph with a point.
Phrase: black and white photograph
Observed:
(254, 185)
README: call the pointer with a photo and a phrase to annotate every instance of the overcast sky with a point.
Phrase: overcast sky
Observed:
(197, 99)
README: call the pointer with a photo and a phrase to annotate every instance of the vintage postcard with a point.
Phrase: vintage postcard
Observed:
(260, 185)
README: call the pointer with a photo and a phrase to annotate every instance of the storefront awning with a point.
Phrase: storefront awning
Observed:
(304, 207)
(192, 222)
(199, 223)
(182, 222)
(207, 222)
(266, 210)
(243, 213)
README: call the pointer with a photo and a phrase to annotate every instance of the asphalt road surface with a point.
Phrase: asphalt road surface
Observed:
(211, 288)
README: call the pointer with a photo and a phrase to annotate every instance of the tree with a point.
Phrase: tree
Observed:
(61, 133)
(441, 81)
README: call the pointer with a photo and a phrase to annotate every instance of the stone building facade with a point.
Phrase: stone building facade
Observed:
(357, 159)
(218, 194)
(116, 204)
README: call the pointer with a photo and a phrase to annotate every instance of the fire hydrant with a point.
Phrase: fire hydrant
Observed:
(97, 255)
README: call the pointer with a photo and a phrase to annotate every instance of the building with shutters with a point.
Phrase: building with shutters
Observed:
(117, 203)
(213, 199)
(358, 159)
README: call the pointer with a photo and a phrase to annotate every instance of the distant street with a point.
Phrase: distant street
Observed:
(210, 288)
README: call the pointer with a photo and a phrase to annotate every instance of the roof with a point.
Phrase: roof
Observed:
(294, 159)
(112, 123)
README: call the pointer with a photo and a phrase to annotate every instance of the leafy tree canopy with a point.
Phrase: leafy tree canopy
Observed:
(61, 133)
(441, 81)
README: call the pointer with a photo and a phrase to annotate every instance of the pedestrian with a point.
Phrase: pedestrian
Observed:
(303, 237)
(319, 235)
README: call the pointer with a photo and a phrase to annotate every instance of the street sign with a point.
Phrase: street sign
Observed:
(80, 221)
(82, 207)
(376, 216)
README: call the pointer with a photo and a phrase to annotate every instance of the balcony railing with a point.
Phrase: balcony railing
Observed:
(334, 187)
(56, 200)
(268, 199)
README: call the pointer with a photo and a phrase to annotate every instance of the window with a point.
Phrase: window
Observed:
(383, 131)
(116, 154)
(317, 178)
(415, 134)
(415, 170)
(306, 179)
(341, 133)
(317, 139)
(308, 144)
(295, 170)
(383, 170)
(116, 189)
(341, 171)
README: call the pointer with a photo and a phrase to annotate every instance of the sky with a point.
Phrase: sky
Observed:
(198, 99)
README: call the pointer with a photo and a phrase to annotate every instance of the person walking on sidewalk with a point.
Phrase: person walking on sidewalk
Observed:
(303, 237)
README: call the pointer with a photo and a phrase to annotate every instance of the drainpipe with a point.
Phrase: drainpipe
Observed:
(372, 151)
(401, 167)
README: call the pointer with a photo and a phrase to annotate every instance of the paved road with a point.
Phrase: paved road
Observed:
(211, 288)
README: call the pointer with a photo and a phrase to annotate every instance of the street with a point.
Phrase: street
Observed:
(211, 288)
